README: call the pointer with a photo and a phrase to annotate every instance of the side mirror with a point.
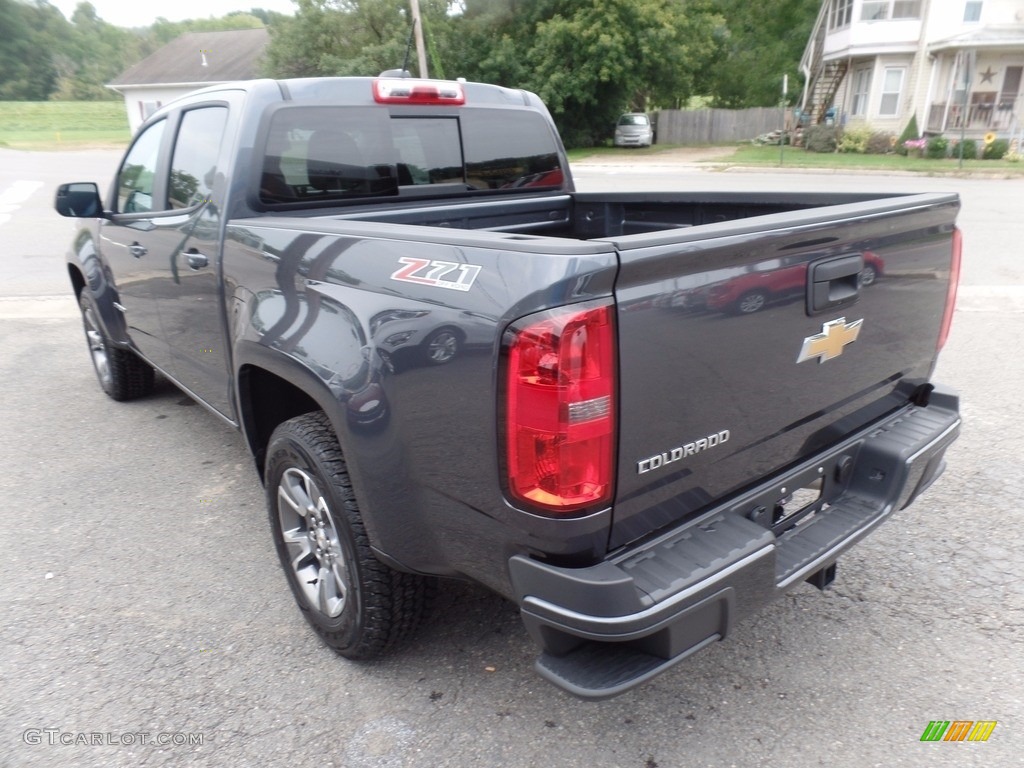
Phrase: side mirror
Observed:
(80, 200)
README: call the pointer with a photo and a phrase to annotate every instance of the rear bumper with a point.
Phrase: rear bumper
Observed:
(610, 627)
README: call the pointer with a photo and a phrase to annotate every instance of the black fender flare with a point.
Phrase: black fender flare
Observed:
(251, 354)
(87, 272)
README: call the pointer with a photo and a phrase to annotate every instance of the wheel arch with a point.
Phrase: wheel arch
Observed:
(272, 389)
(77, 279)
(86, 272)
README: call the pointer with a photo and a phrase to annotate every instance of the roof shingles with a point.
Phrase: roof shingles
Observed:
(229, 55)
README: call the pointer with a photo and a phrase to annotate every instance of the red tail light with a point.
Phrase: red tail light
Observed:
(560, 409)
(954, 282)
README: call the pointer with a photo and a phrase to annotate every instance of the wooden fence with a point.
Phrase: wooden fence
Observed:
(715, 126)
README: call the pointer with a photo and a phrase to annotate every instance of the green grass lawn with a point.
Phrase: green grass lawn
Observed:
(62, 124)
(796, 157)
(617, 152)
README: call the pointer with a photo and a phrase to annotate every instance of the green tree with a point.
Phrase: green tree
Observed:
(589, 60)
(91, 53)
(600, 57)
(347, 37)
(27, 70)
(163, 31)
(592, 59)
(45, 56)
(762, 42)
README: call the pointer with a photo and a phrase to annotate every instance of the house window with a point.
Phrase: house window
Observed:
(892, 84)
(906, 9)
(972, 11)
(874, 11)
(147, 108)
(841, 14)
(861, 89)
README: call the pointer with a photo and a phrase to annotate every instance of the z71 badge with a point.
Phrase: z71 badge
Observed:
(440, 274)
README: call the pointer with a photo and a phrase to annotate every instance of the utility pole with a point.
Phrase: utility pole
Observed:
(782, 110)
(421, 51)
(968, 80)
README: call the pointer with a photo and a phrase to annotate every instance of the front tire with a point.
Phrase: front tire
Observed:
(751, 302)
(358, 605)
(122, 374)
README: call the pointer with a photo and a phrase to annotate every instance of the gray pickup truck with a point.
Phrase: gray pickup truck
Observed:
(639, 416)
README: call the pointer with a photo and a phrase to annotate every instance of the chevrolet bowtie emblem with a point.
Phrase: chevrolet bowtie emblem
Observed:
(830, 342)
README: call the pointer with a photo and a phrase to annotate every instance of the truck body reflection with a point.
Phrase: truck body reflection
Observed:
(335, 347)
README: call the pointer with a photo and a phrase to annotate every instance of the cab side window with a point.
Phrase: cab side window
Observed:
(136, 178)
(194, 162)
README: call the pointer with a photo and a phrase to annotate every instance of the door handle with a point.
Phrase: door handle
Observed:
(196, 260)
(834, 283)
(137, 250)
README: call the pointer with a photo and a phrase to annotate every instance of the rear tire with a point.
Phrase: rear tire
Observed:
(122, 374)
(442, 346)
(358, 605)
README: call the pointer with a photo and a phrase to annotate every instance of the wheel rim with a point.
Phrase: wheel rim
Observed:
(311, 539)
(751, 303)
(443, 347)
(97, 348)
(867, 276)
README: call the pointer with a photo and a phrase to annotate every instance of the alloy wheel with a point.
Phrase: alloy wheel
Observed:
(310, 535)
(97, 347)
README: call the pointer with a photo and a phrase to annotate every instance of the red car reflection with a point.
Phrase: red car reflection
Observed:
(752, 292)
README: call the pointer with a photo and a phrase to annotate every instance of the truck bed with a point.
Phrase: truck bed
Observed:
(586, 216)
(688, 367)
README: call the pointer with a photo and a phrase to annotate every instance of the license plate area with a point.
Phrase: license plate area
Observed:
(795, 500)
(798, 505)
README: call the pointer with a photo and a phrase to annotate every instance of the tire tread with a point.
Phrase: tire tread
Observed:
(131, 377)
(394, 602)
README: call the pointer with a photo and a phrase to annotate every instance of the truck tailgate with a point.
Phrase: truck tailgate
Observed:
(745, 346)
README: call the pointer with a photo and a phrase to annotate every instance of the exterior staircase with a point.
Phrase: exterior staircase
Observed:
(823, 77)
(827, 80)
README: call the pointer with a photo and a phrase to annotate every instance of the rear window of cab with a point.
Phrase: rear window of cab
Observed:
(329, 154)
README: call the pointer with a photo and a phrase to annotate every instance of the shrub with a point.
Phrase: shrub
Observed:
(970, 149)
(996, 150)
(880, 143)
(910, 132)
(1013, 157)
(855, 139)
(820, 138)
(936, 147)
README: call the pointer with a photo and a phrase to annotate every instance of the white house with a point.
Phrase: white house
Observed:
(193, 60)
(955, 64)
